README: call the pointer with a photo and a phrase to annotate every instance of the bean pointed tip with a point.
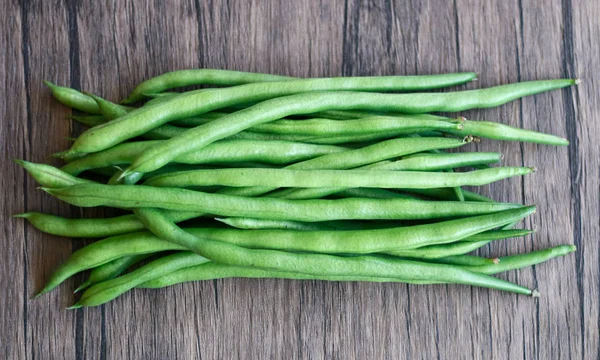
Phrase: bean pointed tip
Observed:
(22, 215)
(21, 162)
(74, 306)
(83, 286)
(49, 84)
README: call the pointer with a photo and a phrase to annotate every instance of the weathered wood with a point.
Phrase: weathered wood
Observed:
(107, 48)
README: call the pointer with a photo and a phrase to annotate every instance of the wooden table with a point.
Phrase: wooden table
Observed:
(107, 49)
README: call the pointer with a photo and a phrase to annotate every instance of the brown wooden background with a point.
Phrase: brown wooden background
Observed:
(106, 47)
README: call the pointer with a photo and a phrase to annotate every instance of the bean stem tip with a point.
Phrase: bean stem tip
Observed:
(535, 293)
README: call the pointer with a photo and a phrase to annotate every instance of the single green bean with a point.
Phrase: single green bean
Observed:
(448, 194)
(385, 240)
(325, 127)
(182, 78)
(333, 178)
(137, 196)
(519, 261)
(194, 103)
(426, 162)
(490, 130)
(111, 270)
(225, 151)
(73, 98)
(49, 176)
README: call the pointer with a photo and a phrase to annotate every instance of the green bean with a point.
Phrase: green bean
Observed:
(356, 192)
(49, 176)
(274, 152)
(250, 223)
(463, 260)
(95, 227)
(448, 194)
(105, 291)
(360, 157)
(278, 108)
(136, 196)
(444, 161)
(212, 271)
(104, 251)
(86, 228)
(333, 178)
(422, 162)
(73, 98)
(326, 265)
(519, 261)
(111, 270)
(458, 248)
(490, 130)
(375, 124)
(183, 78)
(109, 109)
(384, 240)
(194, 103)
(89, 120)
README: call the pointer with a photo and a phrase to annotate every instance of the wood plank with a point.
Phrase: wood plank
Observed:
(581, 60)
(14, 144)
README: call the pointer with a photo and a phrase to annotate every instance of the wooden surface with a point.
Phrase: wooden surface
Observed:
(108, 47)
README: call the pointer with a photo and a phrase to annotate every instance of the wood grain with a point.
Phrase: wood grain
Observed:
(108, 47)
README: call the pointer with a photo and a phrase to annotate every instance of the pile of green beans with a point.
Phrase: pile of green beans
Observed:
(268, 176)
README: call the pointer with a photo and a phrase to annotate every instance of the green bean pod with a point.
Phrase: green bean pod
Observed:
(333, 178)
(182, 78)
(212, 270)
(274, 152)
(49, 176)
(522, 260)
(490, 130)
(462, 247)
(399, 271)
(73, 98)
(386, 240)
(137, 196)
(325, 127)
